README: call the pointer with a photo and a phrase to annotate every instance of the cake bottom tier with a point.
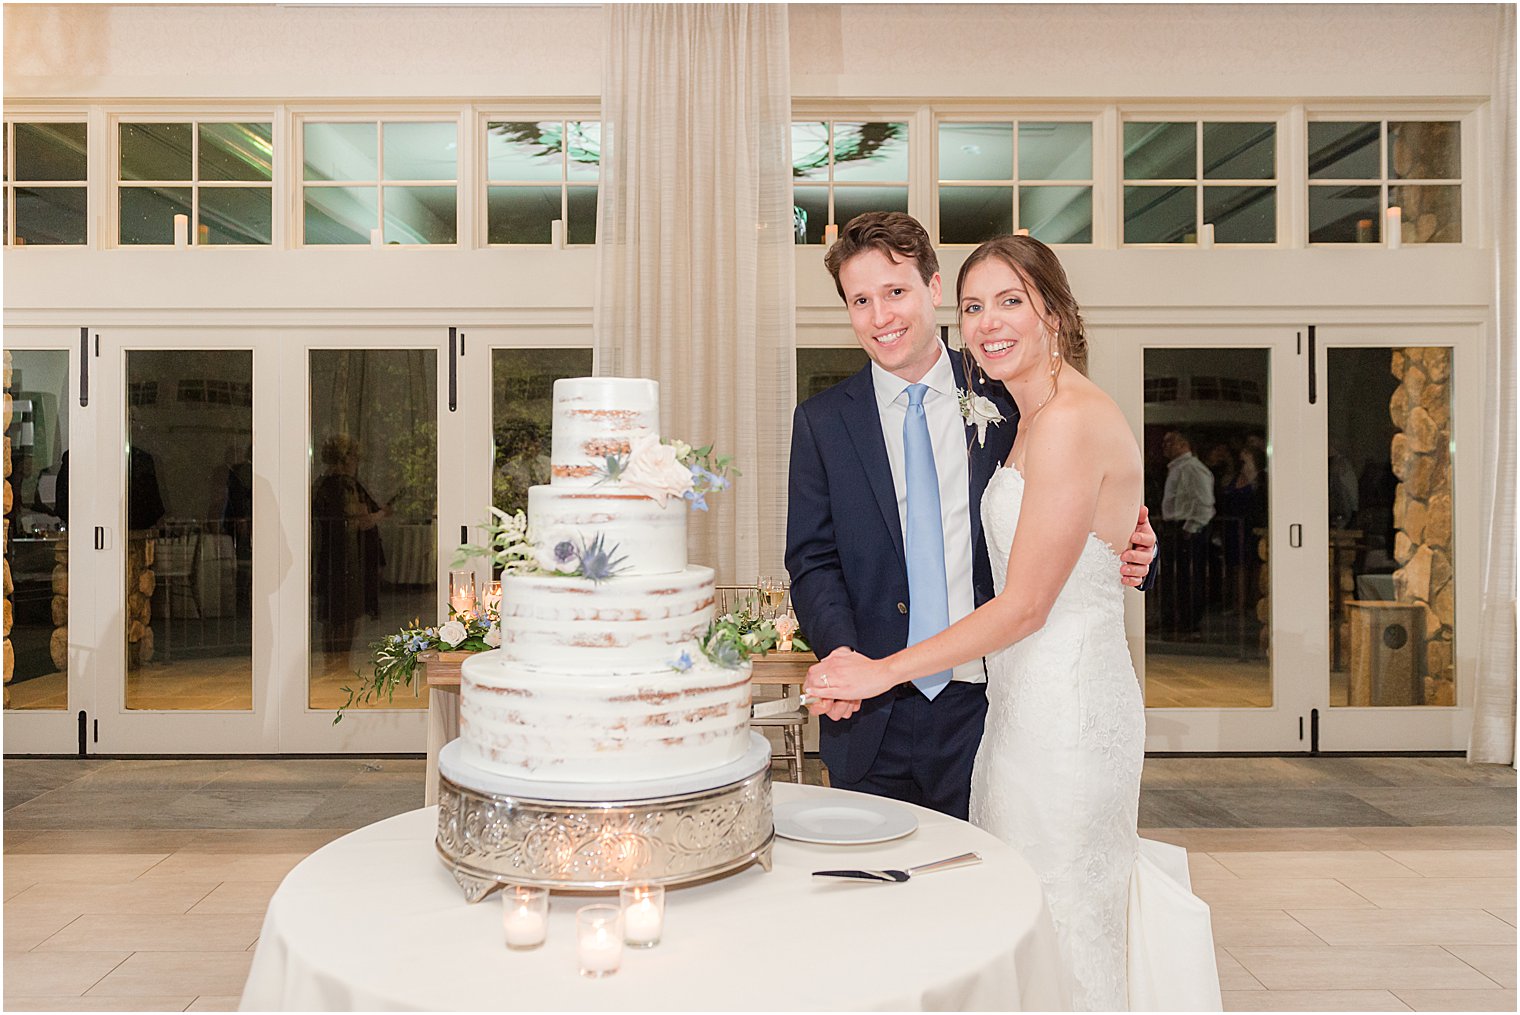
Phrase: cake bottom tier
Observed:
(554, 724)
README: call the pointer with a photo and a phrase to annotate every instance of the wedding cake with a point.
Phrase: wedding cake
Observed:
(600, 677)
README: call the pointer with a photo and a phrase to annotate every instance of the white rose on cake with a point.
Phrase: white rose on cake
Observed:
(654, 470)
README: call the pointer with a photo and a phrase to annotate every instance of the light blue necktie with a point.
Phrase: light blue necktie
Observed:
(928, 598)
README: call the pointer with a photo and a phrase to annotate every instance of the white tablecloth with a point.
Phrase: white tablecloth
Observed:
(373, 921)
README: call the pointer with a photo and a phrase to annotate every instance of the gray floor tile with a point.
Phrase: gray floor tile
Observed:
(1180, 808)
(355, 808)
(1454, 805)
(1307, 808)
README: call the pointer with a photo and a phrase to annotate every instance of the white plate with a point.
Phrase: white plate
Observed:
(855, 822)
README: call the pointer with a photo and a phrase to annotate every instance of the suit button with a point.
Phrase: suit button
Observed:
(902, 607)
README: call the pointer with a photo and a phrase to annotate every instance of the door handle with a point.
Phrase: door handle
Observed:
(453, 369)
(84, 367)
(1295, 535)
(1313, 374)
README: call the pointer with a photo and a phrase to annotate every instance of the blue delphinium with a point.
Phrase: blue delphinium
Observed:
(684, 663)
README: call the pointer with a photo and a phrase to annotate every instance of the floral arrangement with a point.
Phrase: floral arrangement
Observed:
(560, 551)
(978, 411)
(395, 655)
(661, 468)
(732, 638)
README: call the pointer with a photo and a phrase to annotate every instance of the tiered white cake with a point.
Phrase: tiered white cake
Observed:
(583, 689)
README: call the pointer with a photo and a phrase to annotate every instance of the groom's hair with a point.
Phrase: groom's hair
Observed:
(894, 233)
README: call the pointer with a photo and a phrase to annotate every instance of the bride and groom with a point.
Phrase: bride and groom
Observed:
(961, 586)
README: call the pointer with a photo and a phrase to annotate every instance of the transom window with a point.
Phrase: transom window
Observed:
(389, 182)
(843, 168)
(44, 173)
(219, 175)
(539, 172)
(1179, 175)
(1358, 169)
(1015, 174)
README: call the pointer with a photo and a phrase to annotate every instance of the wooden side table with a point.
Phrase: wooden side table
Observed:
(441, 671)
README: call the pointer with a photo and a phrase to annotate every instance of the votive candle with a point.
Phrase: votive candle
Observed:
(524, 916)
(643, 914)
(599, 939)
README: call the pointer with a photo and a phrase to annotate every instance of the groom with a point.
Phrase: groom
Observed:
(882, 453)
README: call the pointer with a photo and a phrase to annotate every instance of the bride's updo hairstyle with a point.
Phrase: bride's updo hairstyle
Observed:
(1037, 265)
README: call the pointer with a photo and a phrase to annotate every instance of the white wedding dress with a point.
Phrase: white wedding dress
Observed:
(1058, 778)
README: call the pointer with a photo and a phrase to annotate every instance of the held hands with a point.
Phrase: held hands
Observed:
(1142, 550)
(839, 682)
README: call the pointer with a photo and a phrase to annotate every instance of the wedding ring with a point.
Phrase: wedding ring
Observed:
(823, 678)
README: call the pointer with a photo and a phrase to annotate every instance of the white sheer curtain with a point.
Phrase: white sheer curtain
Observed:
(1493, 734)
(696, 271)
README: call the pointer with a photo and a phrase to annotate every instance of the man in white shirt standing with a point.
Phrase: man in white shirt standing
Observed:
(1187, 505)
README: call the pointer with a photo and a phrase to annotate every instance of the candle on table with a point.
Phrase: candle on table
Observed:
(524, 916)
(599, 939)
(1393, 228)
(830, 234)
(643, 914)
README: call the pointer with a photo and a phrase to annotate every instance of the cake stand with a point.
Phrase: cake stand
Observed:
(495, 830)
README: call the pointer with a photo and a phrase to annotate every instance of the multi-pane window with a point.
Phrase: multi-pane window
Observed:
(539, 172)
(1179, 175)
(841, 169)
(1001, 176)
(219, 175)
(397, 182)
(45, 172)
(1359, 169)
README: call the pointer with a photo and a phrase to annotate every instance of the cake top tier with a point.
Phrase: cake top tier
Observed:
(599, 416)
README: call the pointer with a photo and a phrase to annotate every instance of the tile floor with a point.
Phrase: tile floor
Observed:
(1371, 884)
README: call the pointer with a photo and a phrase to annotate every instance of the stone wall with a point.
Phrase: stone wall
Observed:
(1422, 515)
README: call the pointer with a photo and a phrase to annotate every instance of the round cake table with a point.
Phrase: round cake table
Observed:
(373, 921)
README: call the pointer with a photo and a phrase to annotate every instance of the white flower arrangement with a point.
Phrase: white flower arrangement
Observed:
(978, 411)
(452, 633)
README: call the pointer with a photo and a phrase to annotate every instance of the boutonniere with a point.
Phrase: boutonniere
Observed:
(978, 411)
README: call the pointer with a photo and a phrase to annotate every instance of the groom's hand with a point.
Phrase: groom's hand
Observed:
(1142, 550)
(823, 703)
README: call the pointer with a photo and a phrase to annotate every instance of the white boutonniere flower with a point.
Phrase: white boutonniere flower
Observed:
(978, 411)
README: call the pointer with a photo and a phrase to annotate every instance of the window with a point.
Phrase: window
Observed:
(219, 175)
(820, 369)
(1180, 174)
(1001, 176)
(538, 172)
(44, 172)
(396, 182)
(1358, 169)
(841, 169)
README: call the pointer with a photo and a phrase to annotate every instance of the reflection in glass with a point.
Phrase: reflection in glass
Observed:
(852, 201)
(1241, 214)
(1343, 151)
(236, 151)
(147, 213)
(1159, 215)
(339, 214)
(1430, 213)
(50, 151)
(189, 524)
(810, 212)
(1422, 150)
(583, 150)
(1160, 151)
(521, 214)
(522, 408)
(421, 151)
(374, 503)
(1055, 151)
(421, 215)
(51, 215)
(1239, 151)
(155, 151)
(974, 214)
(340, 151)
(976, 151)
(810, 150)
(36, 529)
(1392, 557)
(1340, 214)
(235, 215)
(820, 369)
(582, 214)
(1208, 620)
(1056, 214)
(870, 151)
(525, 150)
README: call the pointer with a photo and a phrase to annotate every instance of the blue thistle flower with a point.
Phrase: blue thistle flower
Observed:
(598, 562)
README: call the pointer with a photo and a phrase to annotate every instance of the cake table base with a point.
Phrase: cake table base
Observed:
(494, 831)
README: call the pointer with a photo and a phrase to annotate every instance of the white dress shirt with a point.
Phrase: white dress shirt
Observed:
(947, 435)
(1188, 496)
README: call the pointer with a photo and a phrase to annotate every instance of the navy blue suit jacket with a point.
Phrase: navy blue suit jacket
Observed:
(844, 541)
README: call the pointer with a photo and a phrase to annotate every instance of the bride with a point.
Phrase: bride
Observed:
(1057, 775)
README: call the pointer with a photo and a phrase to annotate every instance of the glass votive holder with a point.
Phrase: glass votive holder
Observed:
(524, 916)
(462, 591)
(643, 914)
(599, 939)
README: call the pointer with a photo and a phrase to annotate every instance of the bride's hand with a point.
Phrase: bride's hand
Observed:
(848, 676)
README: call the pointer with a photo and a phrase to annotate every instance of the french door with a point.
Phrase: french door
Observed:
(1312, 605)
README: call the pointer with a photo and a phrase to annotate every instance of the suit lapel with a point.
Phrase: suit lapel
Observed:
(979, 463)
(863, 423)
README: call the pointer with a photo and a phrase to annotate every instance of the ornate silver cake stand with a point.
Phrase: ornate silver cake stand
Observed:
(494, 830)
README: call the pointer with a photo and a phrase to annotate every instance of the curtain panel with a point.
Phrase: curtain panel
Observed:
(695, 280)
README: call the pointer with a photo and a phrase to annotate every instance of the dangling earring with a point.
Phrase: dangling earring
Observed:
(981, 375)
(1055, 354)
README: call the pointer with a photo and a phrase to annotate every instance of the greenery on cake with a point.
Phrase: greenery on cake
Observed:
(732, 638)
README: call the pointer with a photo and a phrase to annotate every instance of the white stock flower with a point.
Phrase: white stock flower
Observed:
(654, 470)
(452, 633)
(682, 449)
(493, 636)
